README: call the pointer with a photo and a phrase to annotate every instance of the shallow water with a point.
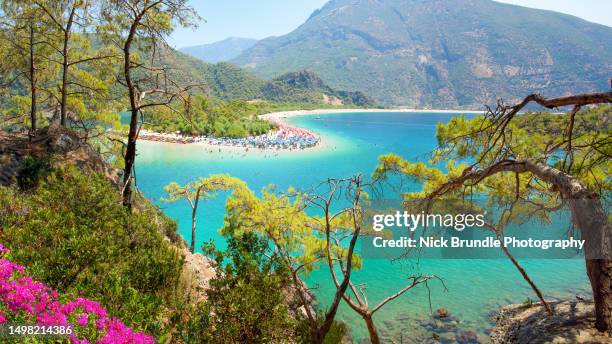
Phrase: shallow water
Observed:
(472, 288)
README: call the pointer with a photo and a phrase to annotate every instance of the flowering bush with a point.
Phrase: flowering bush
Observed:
(73, 234)
(24, 300)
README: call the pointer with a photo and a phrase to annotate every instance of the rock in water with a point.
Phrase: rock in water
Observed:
(442, 313)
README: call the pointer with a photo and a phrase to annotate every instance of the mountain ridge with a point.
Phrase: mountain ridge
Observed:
(220, 51)
(440, 53)
(228, 82)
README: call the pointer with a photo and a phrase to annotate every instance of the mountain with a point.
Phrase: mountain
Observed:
(440, 53)
(306, 86)
(227, 81)
(220, 51)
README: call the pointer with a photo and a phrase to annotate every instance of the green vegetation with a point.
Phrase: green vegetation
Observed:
(31, 171)
(201, 115)
(531, 167)
(72, 233)
(87, 233)
(245, 302)
(205, 116)
(307, 87)
(586, 122)
(228, 82)
(202, 189)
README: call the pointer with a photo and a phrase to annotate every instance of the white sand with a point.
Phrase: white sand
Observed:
(285, 114)
(278, 117)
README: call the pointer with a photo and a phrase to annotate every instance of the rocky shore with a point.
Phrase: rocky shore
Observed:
(572, 322)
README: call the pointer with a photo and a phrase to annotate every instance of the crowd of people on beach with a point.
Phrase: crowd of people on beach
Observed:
(283, 137)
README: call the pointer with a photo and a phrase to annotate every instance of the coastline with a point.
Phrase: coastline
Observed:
(234, 150)
(292, 113)
(278, 118)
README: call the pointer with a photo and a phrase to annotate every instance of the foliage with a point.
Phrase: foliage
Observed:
(203, 188)
(527, 166)
(245, 302)
(307, 87)
(205, 116)
(534, 137)
(25, 68)
(528, 303)
(74, 235)
(201, 115)
(31, 171)
(26, 301)
(337, 334)
(279, 219)
(88, 73)
(228, 82)
(297, 239)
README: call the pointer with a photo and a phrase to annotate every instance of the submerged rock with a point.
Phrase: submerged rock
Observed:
(467, 337)
(442, 313)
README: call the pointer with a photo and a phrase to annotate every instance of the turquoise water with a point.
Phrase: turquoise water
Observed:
(472, 289)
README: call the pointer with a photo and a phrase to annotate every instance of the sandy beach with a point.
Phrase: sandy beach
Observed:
(285, 114)
(277, 118)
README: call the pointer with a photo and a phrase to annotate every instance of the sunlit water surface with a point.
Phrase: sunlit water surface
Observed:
(472, 288)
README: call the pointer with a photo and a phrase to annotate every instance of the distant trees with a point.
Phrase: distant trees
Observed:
(203, 188)
(199, 115)
(530, 166)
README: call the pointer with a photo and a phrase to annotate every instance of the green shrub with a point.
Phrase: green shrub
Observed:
(245, 302)
(31, 171)
(74, 235)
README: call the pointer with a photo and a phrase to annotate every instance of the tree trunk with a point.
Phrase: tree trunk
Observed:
(130, 158)
(33, 87)
(193, 219)
(600, 275)
(592, 219)
(65, 66)
(588, 215)
(130, 152)
(372, 331)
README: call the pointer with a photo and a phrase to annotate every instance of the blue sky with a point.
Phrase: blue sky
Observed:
(264, 18)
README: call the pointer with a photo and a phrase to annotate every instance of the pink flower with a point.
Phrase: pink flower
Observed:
(82, 319)
(20, 295)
